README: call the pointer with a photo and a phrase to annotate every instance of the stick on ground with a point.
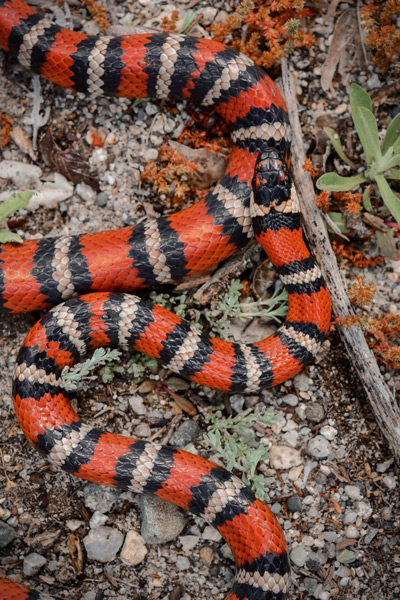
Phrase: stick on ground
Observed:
(383, 403)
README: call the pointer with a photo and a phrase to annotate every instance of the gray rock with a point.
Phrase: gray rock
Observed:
(85, 192)
(237, 402)
(97, 520)
(353, 492)
(185, 434)
(382, 467)
(371, 533)
(134, 549)
(315, 412)
(319, 447)
(364, 509)
(103, 543)
(347, 556)
(294, 503)
(98, 497)
(33, 563)
(328, 432)
(302, 382)
(298, 556)
(102, 199)
(7, 534)
(183, 563)
(310, 584)
(137, 405)
(330, 536)
(161, 521)
(290, 399)
(21, 174)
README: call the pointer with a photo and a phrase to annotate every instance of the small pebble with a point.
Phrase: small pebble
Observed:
(319, 447)
(7, 534)
(33, 563)
(284, 457)
(299, 556)
(134, 549)
(185, 434)
(294, 503)
(161, 521)
(314, 412)
(353, 492)
(103, 543)
(99, 497)
(290, 399)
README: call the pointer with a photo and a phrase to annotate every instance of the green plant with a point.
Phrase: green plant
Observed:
(381, 159)
(7, 208)
(71, 375)
(234, 442)
(231, 307)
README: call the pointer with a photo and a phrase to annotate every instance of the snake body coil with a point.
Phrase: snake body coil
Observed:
(41, 273)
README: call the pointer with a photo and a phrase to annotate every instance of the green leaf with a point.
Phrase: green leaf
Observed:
(359, 97)
(367, 130)
(366, 199)
(392, 136)
(337, 144)
(12, 204)
(393, 161)
(393, 174)
(335, 183)
(340, 221)
(392, 202)
(188, 19)
(7, 236)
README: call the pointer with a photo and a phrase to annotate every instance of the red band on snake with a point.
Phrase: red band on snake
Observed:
(41, 273)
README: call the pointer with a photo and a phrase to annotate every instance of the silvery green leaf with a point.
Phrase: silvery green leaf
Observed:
(392, 202)
(367, 130)
(337, 144)
(335, 183)
(392, 136)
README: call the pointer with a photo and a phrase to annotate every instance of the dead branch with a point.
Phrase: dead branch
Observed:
(383, 403)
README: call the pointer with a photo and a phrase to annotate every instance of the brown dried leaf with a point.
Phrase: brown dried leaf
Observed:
(345, 29)
(67, 162)
(23, 142)
(76, 554)
(211, 167)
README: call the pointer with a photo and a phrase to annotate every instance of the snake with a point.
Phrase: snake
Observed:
(88, 280)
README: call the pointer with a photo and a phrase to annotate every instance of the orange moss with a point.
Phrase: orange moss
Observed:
(309, 167)
(272, 29)
(348, 254)
(323, 201)
(5, 129)
(169, 24)
(171, 179)
(383, 37)
(383, 335)
(361, 293)
(98, 12)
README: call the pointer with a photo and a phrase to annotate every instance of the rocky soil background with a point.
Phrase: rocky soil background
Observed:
(335, 485)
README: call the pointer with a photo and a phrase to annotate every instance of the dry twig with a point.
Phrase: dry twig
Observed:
(383, 403)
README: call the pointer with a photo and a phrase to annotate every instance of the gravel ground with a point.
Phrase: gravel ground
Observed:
(335, 486)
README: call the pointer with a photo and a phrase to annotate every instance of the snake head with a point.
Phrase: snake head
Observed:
(271, 182)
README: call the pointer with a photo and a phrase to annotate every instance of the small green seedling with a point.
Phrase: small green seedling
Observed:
(381, 158)
(7, 208)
